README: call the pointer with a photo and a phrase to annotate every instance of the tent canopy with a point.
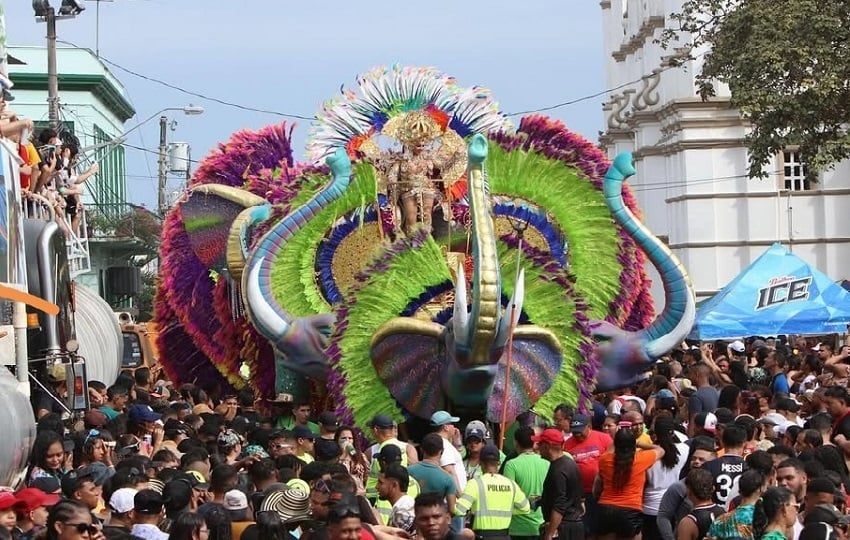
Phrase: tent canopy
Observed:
(779, 293)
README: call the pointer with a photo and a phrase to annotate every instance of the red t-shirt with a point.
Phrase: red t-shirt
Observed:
(586, 455)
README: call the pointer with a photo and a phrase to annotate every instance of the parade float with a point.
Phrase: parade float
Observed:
(427, 255)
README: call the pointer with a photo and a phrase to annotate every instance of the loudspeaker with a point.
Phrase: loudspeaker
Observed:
(123, 280)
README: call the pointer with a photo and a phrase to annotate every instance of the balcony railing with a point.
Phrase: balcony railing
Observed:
(37, 207)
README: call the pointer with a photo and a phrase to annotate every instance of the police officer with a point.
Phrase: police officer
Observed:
(493, 498)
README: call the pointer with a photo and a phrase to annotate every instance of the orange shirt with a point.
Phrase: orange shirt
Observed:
(631, 495)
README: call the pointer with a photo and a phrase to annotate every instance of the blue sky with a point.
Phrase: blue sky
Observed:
(290, 56)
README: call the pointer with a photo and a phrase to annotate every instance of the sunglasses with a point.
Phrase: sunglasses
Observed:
(83, 528)
(92, 434)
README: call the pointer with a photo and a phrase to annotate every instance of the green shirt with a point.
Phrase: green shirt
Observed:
(528, 470)
(111, 414)
(288, 423)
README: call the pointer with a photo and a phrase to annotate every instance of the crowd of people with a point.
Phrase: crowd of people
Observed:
(48, 166)
(724, 441)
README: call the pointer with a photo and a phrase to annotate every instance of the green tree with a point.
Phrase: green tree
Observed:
(787, 64)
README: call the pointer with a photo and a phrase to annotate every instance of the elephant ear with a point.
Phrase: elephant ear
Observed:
(535, 363)
(208, 214)
(409, 269)
(405, 350)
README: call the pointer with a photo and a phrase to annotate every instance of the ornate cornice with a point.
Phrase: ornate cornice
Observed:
(646, 30)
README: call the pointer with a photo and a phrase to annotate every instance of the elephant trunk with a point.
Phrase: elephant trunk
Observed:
(268, 315)
(673, 325)
(486, 279)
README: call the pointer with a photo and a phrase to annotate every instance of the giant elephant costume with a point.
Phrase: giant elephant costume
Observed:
(299, 273)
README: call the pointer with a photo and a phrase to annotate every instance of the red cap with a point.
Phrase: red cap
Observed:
(28, 499)
(550, 436)
(7, 500)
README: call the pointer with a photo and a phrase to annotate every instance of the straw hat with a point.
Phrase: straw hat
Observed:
(292, 505)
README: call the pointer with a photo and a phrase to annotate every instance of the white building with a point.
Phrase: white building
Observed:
(691, 163)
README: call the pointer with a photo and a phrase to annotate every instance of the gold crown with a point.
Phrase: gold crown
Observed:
(412, 128)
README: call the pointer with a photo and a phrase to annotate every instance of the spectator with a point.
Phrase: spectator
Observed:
(622, 476)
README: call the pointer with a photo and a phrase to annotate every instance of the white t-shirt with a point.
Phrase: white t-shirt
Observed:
(659, 478)
(452, 457)
(402, 516)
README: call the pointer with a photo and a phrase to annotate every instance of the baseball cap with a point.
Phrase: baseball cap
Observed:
(664, 393)
(825, 513)
(28, 499)
(549, 436)
(327, 449)
(579, 422)
(389, 453)
(816, 348)
(98, 471)
(94, 418)
(441, 418)
(142, 413)
(474, 433)
(148, 501)
(737, 346)
(235, 500)
(229, 438)
(177, 493)
(196, 480)
(328, 419)
(491, 453)
(74, 480)
(303, 432)
(724, 416)
(123, 500)
(477, 424)
(47, 484)
(787, 404)
(382, 421)
(773, 419)
(7, 500)
(707, 421)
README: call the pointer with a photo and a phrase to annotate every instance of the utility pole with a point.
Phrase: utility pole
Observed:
(163, 166)
(52, 72)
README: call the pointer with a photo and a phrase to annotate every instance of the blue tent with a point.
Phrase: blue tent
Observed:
(779, 293)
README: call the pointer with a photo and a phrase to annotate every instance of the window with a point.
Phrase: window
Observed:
(795, 174)
(110, 189)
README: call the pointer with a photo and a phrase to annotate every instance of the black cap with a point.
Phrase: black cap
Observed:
(787, 404)
(74, 480)
(303, 432)
(382, 421)
(490, 453)
(178, 493)
(327, 449)
(47, 484)
(328, 420)
(579, 423)
(148, 501)
(389, 453)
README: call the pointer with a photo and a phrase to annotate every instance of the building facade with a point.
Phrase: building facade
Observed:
(94, 108)
(691, 162)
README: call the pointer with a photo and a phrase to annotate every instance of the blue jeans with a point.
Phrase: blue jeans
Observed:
(456, 524)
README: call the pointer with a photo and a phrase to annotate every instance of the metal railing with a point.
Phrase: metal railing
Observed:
(35, 206)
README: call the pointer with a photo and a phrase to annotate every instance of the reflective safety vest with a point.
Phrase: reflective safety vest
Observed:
(375, 467)
(494, 499)
(384, 509)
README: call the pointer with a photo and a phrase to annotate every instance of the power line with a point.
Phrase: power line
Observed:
(192, 93)
(311, 118)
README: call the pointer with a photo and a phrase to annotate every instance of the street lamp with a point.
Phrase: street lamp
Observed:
(190, 110)
(44, 12)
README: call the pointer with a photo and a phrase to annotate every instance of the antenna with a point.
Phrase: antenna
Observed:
(97, 26)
